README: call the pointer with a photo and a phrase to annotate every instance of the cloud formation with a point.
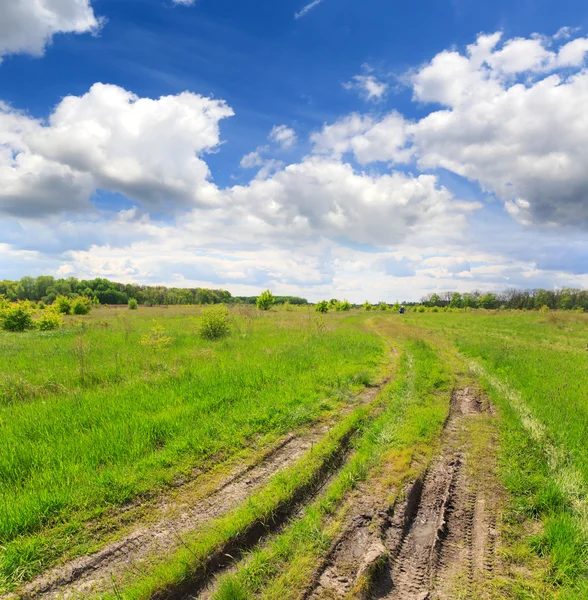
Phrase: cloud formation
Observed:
(28, 26)
(306, 9)
(283, 135)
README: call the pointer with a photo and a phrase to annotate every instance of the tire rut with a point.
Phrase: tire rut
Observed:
(417, 550)
(96, 572)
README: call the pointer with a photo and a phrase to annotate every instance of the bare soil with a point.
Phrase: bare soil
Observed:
(439, 539)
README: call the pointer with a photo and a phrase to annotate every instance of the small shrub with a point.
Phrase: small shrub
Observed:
(215, 322)
(41, 305)
(435, 309)
(287, 306)
(17, 317)
(544, 309)
(62, 305)
(81, 306)
(421, 309)
(322, 307)
(344, 306)
(265, 301)
(382, 306)
(156, 338)
(49, 320)
(133, 304)
(367, 306)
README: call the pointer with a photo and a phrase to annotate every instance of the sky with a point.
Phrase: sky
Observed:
(368, 150)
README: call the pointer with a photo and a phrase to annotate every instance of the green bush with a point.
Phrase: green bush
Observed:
(81, 306)
(367, 306)
(50, 319)
(214, 322)
(265, 301)
(133, 304)
(421, 309)
(17, 317)
(345, 305)
(62, 305)
(322, 306)
(383, 306)
(41, 305)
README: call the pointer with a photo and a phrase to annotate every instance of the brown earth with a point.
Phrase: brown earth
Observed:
(441, 538)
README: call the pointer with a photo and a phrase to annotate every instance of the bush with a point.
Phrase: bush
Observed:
(265, 301)
(156, 339)
(17, 317)
(345, 305)
(215, 322)
(544, 309)
(133, 304)
(421, 309)
(367, 306)
(81, 306)
(49, 320)
(322, 306)
(41, 305)
(383, 306)
(62, 305)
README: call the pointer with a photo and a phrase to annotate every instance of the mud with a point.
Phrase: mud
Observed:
(442, 535)
(93, 573)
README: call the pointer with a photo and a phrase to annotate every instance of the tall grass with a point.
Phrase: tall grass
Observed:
(79, 440)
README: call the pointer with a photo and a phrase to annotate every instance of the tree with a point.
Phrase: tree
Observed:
(265, 300)
(456, 300)
(367, 306)
(322, 306)
(488, 301)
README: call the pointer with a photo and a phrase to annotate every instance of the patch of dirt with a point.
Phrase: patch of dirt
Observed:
(132, 554)
(442, 532)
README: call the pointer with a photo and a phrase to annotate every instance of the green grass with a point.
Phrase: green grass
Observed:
(91, 419)
(416, 405)
(536, 368)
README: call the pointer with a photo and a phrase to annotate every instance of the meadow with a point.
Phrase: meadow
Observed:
(120, 412)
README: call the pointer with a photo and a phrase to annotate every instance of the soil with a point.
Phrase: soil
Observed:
(96, 572)
(441, 536)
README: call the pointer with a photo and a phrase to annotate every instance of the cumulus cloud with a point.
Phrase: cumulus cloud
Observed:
(283, 135)
(28, 26)
(369, 86)
(110, 139)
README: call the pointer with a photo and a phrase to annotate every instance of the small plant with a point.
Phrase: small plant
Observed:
(17, 317)
(62, 305)
(133, 304)
(81, 306)
(343, 306)
(50, 320)
(41, 305)
(265, 301)
(287, 306)
(544, 309)
(156, 338)
(322, 307)
(382, 306)
(215, 322)
(367, 306)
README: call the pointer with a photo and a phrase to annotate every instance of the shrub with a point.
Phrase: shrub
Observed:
(41, 305)
(156, 338)
(133, 304)
(81, 306)
(544, 309)
(345, 305)
(49, 320)
(265, 301)
(214, 322)
(421, 309)
(287, 306)
(62, 305)
(322, 306)
(367, 306)
(383, 306)
(17, 317)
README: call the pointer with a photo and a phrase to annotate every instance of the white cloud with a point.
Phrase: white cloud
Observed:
(252, 160)
(184, 2)
(28, 26)
(283, 135)
(369, 87)
(110, 139)
(307, 8)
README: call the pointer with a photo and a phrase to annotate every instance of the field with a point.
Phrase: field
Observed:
(346, 455)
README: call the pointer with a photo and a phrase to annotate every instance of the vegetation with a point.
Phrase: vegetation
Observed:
(265, 301)
(322, 306)
(17, 317)
(133, 304)
(215, 322)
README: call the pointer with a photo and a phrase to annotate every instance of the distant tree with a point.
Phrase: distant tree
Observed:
(434, 300)
(133, 304)
(456, 300)
(367, 306)
(322, 306)
(488, 301)
(265, 300)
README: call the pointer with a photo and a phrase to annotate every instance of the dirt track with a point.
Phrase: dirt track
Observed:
(441, 536)
(96, 572)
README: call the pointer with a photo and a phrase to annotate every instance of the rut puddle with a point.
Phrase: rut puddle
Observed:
(443, 530)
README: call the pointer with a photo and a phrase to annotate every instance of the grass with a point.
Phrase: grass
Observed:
(416, 405)
(91, 420)
(535, 367)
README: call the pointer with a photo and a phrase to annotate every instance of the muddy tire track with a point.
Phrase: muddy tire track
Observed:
(96, 572)
(419, 549)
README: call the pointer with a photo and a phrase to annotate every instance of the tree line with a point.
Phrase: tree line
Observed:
(512, 298)
(46, 288)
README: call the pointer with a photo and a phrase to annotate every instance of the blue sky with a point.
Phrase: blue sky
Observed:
(392, 151)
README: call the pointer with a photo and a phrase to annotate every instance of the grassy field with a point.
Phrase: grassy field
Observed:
(102, 417)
